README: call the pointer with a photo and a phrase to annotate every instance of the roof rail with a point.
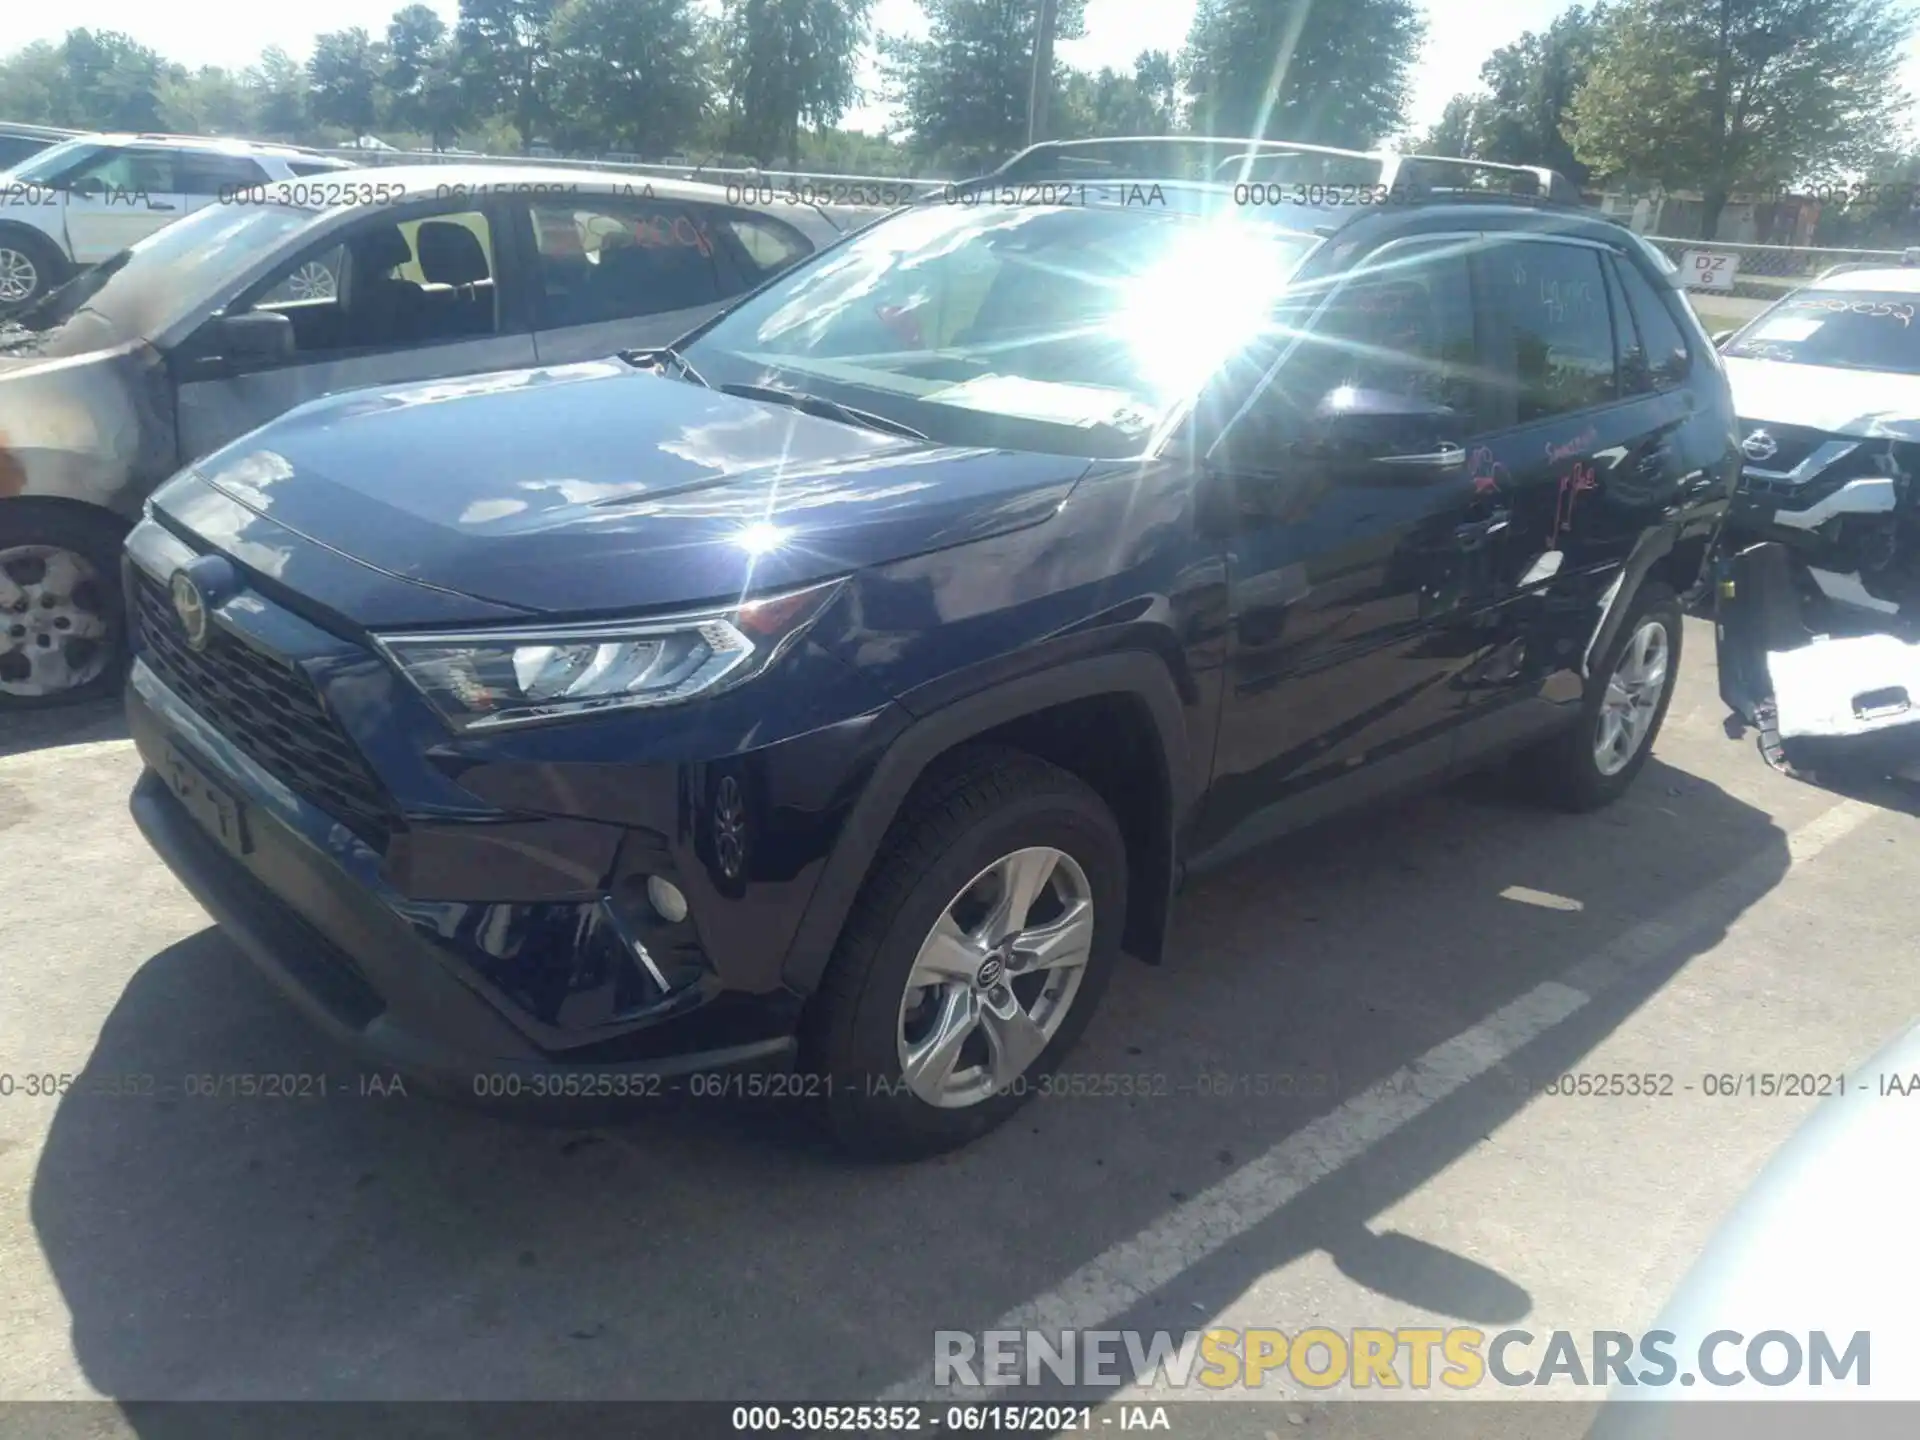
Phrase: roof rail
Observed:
(1238, 159)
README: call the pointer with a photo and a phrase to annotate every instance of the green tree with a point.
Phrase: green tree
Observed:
(277, 89)
(211, 101)
(343, 79)
(1110, 103)
(1336, 72)
(504, 52)
(1715, 95)
(1530, 84)
(109, 81)
(29, 80)
(963, 90)
(1455, 132)
(626, 74)
(422, 76)
(790, 62)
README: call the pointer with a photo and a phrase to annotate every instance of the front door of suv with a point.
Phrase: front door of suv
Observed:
(1351, 569)
(118, 197)
(397, 295)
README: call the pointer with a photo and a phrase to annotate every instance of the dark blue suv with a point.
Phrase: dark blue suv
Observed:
(817, 708)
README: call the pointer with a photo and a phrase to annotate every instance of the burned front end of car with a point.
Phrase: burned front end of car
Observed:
(1818, 584)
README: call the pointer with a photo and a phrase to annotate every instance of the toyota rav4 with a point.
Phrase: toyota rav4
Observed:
(839, 692)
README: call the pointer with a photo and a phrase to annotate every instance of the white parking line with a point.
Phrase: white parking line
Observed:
(1127, 1273)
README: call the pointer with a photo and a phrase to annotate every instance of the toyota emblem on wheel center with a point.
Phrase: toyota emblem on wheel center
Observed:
(191, 606)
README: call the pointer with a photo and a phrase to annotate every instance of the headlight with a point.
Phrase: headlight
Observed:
(485, 679)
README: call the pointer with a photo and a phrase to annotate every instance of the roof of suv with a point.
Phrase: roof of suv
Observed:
(219, 144)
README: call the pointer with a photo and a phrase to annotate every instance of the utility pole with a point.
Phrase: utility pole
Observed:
(1042, 73)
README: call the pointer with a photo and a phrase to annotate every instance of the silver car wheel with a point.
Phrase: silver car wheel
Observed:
(995, 978)
(19, 276)
(312, 281)
(53, 629)
(1632, 699)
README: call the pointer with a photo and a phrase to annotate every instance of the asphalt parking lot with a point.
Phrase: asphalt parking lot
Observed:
(1416, 974)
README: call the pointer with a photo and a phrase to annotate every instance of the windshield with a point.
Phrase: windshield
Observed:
(49, 163)
(1847, 329)
(144, 290)
(1060, 328)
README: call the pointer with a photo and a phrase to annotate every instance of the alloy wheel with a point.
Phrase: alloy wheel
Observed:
(312, 281)
(19, 276)
(54, 630)
(1632, 698)
(995, 977)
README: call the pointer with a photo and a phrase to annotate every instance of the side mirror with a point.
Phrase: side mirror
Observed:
(1402, 434)
(1720, 337)
(253, 337)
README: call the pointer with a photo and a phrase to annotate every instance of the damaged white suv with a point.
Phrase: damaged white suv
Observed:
(1820, 584)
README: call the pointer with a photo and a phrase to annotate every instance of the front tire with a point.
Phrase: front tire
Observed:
(1594, 761)
(973, 959)
(63, 630)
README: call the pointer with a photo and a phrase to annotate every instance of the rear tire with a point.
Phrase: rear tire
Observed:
(990, 827)
(63, 619)
(1592, 762)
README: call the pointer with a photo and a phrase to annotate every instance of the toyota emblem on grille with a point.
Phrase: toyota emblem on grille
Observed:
(1760, 446)
(191, 606)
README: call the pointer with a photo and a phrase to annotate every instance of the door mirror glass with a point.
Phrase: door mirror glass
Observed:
(257, 337)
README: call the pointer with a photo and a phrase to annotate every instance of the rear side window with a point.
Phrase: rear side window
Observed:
(1662, 346)
(205, 174)
(619, 260)
(769, 245)
(315, 167)
(1552, 300)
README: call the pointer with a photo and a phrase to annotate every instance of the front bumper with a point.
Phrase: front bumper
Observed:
(366, 977)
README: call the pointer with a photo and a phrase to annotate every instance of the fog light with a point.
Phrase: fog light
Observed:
(667, 901)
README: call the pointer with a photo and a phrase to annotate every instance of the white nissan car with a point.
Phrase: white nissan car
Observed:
(79, 202)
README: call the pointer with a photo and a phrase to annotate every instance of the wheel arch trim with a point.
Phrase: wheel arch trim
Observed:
(1135, 674)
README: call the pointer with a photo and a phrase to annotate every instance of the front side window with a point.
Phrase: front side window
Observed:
(1402, 327)
(1844, 329)
(390, 285)
(1551, 300)
(622, 260)
(128, 171)
(1062, 328)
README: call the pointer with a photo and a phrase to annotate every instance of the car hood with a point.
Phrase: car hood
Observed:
(601, 487)
(1841, 402)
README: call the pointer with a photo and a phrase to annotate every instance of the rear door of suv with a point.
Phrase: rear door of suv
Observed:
(1580, 465)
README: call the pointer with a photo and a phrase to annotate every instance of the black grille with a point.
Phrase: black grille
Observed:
(270, 711)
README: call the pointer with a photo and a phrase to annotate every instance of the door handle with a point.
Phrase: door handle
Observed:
(1447, 457)
(160, 205)
(1474, 532)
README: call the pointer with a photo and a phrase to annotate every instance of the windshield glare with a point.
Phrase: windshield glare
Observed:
(143, 291)
(1847, 329)
(1062, 328)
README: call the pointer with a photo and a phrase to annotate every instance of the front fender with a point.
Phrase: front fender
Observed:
(1138, 674)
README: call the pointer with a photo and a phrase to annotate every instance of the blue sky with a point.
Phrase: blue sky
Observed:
(1461, 33)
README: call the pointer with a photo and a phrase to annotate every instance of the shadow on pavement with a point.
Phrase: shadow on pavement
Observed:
(24, 730)
(391, 1247)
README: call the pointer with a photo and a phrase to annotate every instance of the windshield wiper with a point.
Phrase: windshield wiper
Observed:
(823, 407)
(663, 355)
